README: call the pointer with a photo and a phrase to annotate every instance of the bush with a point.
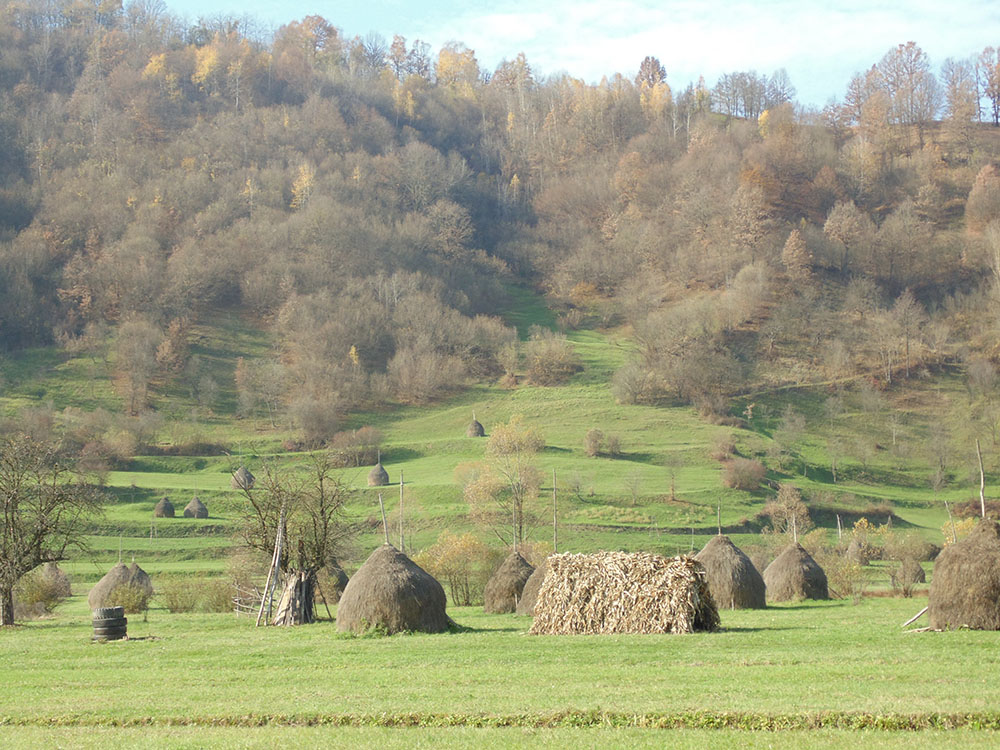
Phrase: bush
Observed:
(216, 595)
(463, 563)
(743, 474)
(593, 441)
(133, 598)
(356, 447)
(40, 591)
(551, 359)
(189, 593)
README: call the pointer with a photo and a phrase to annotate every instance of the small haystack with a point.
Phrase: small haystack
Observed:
(794, 575)
(503, 590)
(333, 581)
(378, 476)
(394, 594)
(965, 587)
(57, 579)
(119, 575)
(910, 572)
(195, 509)
(475, 429)
(621, 592)
(734, 580)
(526, 604)
(242, 479)
(163, 509)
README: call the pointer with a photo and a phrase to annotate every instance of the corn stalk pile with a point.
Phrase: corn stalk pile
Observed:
(622, 592)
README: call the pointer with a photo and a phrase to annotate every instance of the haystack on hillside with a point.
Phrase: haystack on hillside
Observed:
(393, 593)
(965, 586)
(620, 592)
(794, 575)
(734, 580)
(163, 509)
(378, 476)
(526, 604)
(242, 479)
(119, 575)
(503, 590)
(475, 429)
(195, 509)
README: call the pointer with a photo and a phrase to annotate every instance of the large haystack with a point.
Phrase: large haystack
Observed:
(119, 575)
(195, 509)
(621, 592)
(503, 590)
(734, 580)
(794, 575)
(242, 479)
(965, 586)
(526, 604)
(378, 476)
(394, 594)
(475, 429)
(163, 509)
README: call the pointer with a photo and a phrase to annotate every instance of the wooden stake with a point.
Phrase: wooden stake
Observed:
(385, 526)
(555, 519)
(914, 618)
(840, 529)
(718, 517)
(951, 520)
(401, 548)
(982, 481)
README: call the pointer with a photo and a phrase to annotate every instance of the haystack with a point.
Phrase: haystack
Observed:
(242, 479)
(378, 476)
(620, 592)
(57, 578)
(526, 604)
(910, 572)
(394, 594)
(195, 509)
(119, 575)
(734, 580)
(334, 581)
(503, 590)
(163, 509)
(475, 429)
(794, 575)
(965, 587)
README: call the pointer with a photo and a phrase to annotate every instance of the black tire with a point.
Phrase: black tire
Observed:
(106, 613)
(111, 622)
(106, 632)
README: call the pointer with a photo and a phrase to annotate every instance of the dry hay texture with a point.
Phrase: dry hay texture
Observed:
(335, 581)
(529, 596)
(392, 593)
(378, 476)
(475, 429)
(965, 586)
(622, 592)
(503, 590)
(119, 575)
(163, 509)
(195, 509)
(734, 580)
(794, 575)
(242, 479)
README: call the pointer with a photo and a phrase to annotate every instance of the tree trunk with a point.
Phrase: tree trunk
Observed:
(6, 607)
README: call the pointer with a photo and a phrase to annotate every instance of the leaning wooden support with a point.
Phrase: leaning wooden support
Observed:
(914, 618)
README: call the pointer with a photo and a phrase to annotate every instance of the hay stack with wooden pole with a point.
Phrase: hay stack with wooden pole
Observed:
(119, 575)
(475, 428)
(529, 595)
(242, 479)
(504, 589)
(378, 476)
(195, 509)
(732, 577)
(163, 509)
(965, 586)
(794, 575)
(335, 580)
(392, 593)
(621, 592)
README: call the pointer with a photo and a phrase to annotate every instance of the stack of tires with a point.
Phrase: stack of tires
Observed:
(110, 624)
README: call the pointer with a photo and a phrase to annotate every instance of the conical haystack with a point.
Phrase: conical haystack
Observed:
(526, 604)
(965, 586)
(475, 428)
(57, 578)
(119, 575)
(334, 580)
(794, 575)
(195, 509)
(163, 509)
(622, 592)
(503, 590)
(732, 577)
(378, 476)
(242, 479)
(394, 594)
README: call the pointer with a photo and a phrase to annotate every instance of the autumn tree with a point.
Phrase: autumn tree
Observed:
(989, 80)
(43, 510)
(913, 90)
(796, 258)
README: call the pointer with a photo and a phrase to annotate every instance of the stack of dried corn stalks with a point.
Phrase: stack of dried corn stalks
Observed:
(619, 592)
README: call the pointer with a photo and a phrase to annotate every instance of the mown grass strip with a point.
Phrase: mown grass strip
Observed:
(751, 722)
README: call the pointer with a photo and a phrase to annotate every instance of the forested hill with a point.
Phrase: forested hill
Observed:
(371, 204)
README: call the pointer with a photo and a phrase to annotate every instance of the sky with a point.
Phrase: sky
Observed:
(820, 44)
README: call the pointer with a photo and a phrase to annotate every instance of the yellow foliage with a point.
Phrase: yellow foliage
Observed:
(206, 64)
(962, 528)
(155, 67)
(303, 186)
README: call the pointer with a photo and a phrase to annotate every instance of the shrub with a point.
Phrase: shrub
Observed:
(133, 598)
(593, 441)
(551, 359)
(178, 593)
(40, 591)
(743, 474)
(787, 512)
(216, 595)
(613, 445)
(463, 563)
(356, 447)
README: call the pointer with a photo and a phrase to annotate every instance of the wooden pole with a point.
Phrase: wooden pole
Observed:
(718, 517)
(982, 481)
(914, 618)
(555, 518)
(385, 526)
(401, 548)
(840, 529)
